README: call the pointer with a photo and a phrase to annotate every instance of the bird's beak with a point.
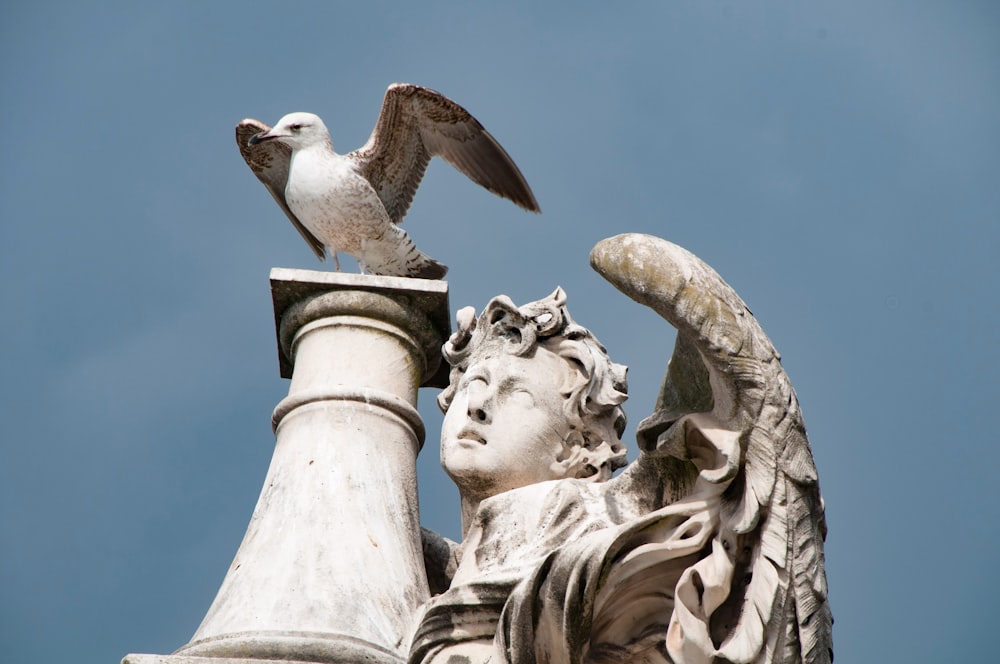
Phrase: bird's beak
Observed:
(260, 138)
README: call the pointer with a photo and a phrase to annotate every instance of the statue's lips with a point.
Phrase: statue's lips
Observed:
(471, 436)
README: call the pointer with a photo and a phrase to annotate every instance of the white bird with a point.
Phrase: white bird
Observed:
(352, 203)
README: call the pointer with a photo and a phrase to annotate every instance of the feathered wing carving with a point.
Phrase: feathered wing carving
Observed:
(270, 161)
(417, 123)
(760, 595)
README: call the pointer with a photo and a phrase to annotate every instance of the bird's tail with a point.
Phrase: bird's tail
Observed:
(396, 255)
(428, 268)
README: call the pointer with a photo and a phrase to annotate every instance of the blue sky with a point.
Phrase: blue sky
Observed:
(836, 162)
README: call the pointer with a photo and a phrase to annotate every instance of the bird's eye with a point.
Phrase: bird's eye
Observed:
(295, 127)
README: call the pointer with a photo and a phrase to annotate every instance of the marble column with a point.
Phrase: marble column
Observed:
(331, 566)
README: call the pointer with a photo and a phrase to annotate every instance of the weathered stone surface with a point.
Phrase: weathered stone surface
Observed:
(331, 566)
(181, 659)
(400, 297)
(708, 547)
(765, 597)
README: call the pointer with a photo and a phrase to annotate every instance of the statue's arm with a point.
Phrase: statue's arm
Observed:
(441, 556)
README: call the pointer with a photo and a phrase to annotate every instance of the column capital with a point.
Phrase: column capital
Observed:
(420, 306)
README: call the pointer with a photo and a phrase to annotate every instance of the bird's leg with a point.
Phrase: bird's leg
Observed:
(336, 261)
(361, 259)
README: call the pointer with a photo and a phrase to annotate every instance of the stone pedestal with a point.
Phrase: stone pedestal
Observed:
(331, 566)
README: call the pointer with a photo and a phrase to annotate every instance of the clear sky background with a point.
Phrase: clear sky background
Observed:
(837, 162)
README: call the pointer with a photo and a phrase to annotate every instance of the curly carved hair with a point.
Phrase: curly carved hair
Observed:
(592, 402)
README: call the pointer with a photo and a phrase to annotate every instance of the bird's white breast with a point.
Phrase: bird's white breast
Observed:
(333, 200)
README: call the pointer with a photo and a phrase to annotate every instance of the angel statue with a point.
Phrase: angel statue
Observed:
(707, 548)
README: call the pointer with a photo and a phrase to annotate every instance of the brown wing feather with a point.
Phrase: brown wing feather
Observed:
(269, 162)
(418, 123)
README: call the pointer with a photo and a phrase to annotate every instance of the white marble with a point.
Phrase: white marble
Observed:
(331, 566)
(707, 547)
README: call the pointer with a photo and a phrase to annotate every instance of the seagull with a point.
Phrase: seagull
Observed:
(353, 203)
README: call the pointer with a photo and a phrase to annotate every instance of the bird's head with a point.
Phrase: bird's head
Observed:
(296, 130)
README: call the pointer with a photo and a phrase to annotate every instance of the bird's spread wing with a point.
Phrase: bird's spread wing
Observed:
(269, 162)
(418, 123)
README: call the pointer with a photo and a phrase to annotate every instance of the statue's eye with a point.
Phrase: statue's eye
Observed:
(522, 397)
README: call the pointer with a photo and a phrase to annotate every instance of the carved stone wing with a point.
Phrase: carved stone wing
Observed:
(760, 594)
(269, 162)
(416, 124)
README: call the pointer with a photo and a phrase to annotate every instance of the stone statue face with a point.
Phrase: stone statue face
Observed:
(505, 427)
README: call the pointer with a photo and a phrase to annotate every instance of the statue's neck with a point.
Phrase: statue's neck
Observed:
(469, 508)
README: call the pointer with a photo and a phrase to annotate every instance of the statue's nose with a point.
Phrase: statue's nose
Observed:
(479, 405)
(478, 415)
